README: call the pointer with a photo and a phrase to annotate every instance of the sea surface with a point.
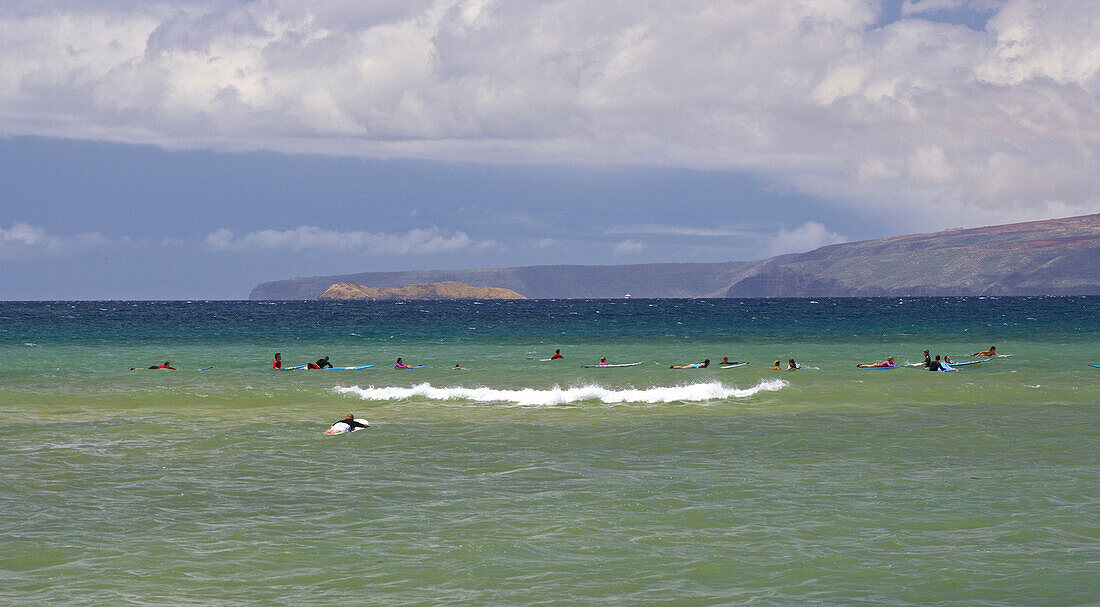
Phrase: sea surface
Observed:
(523, 482)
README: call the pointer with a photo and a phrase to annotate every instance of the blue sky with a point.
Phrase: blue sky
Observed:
(188, 150)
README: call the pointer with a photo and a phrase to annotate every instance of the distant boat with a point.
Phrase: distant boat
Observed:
(627, 296)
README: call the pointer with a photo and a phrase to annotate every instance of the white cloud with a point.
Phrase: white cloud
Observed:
(806, 92)
(806, 237)
(302, 238)
(629, 247)
(929, 163)
(24, 241)
(923, 7)
(667, 230)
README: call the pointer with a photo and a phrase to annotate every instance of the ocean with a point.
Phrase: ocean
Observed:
(519, 481)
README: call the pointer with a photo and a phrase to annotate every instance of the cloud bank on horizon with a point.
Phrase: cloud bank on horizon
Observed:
(985, 125)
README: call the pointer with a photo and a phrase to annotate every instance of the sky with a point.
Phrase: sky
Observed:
(192, 149)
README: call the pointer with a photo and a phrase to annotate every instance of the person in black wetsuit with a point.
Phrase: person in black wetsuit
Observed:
(350, 421)
(936, 365)
(322, 363)
(927, 360)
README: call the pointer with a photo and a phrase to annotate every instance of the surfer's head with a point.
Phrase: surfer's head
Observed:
(350, 416)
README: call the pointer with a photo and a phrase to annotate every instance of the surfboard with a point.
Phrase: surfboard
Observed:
(734, 365)
(347, 368)
(965, 362)
(298, 368)
(946, 368)
(606, 366)
(1092, 365)
(342, 428)
(411, 367)
(878, 368)
(204, 369)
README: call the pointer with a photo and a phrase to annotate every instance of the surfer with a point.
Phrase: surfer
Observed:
(352, 423)
(947, 360)
(927, 360)
(936, 365)
(320, 364)
(792, 366)
(278, 363)
(400, 364)
(457, 367)
(889, 362)
(603, 361)
(778, 366)
(166, 365)
(702, 365)
(992, 351)
(557, 355)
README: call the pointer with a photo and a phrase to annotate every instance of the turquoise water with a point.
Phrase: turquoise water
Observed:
(517, 481)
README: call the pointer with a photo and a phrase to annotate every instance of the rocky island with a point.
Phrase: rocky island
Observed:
(431, 290)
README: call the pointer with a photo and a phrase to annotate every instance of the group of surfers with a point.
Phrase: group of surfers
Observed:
(929, 363)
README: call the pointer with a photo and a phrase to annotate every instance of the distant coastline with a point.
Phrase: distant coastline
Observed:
(1052, 257)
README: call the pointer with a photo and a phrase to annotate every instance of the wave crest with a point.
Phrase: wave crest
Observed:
(560, 396)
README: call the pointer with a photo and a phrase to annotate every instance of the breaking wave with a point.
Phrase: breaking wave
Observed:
(560, 396)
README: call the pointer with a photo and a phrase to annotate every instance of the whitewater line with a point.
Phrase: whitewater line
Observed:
(559, 396)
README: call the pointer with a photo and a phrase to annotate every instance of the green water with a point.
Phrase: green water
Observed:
(523, 482)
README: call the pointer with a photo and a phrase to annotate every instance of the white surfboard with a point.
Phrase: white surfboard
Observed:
(342, 428)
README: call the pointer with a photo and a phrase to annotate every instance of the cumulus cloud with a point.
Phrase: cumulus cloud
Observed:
(303, 238)
(805, 237)
(24, 241)
(817, 96)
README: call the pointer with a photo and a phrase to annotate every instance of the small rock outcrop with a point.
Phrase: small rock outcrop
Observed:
(431, 290)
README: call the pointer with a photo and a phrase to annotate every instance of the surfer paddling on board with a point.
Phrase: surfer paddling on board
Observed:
(348, 424)
(352, 422)
(603, 361)
(278, 362)
(166, 365)
(320, 364)
(702, 365)
(889, 362)
(557, 355)
(400, 364)
(991, 352)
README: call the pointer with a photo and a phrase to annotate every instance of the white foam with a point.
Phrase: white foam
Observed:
(559, 396)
